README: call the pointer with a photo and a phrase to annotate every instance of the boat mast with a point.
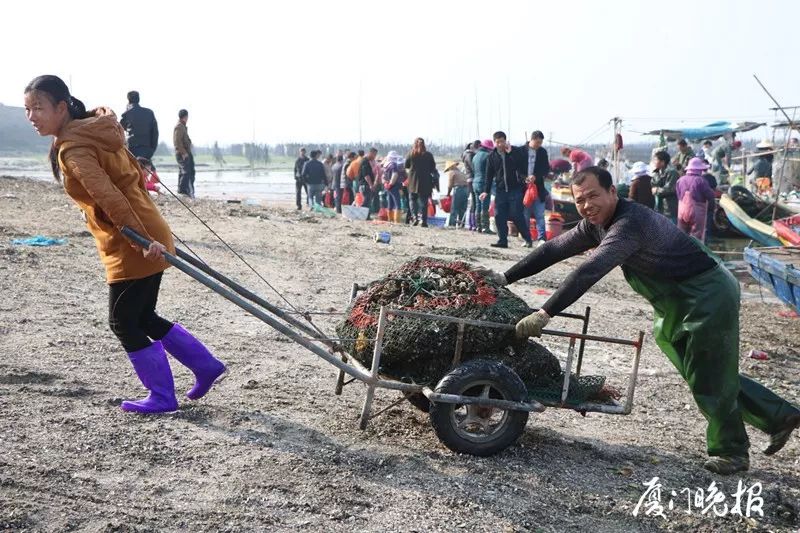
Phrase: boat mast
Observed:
(792, 126)
(477, 119)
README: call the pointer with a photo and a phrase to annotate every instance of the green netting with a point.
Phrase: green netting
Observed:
(581, 389)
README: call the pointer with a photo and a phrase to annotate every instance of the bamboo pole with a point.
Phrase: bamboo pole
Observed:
(786, 146)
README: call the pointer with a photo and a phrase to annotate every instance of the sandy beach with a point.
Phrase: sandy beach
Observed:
(272, 448)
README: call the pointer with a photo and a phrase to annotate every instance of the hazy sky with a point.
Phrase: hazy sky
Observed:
(291, 71)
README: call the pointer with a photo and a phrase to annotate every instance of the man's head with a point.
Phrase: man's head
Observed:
(351, 155)
(682, 144)
(537, 138)
(315, 154)
(373, 153)
(500, 141)
(183, 116)
(133, 97)
(595, 195)
(361, 153)
(707, 144)
(302, 152)
(661, 160)
(476, 145)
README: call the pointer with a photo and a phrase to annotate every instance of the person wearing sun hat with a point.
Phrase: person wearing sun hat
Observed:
(641, 190)
(694, 196)
(394, 174)
(762, 167)
(478, 181)
(458, 190)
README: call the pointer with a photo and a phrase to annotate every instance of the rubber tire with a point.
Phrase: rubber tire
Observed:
(502, 378)
(721, 226)
(420, 401)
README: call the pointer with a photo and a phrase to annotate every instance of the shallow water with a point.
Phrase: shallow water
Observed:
(258, 184)
(274, 185)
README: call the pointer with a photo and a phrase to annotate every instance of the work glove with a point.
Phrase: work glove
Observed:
(532, 325)
(497, 277)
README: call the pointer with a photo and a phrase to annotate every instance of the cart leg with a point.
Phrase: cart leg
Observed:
(376, 363)
(340, 378)
(365, 411)
(568, 370)
(634, 374)
(582, 344)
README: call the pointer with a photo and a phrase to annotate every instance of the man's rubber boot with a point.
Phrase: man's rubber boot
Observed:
(778, 440)
(153, 369)
(192, 354)
(726, 465)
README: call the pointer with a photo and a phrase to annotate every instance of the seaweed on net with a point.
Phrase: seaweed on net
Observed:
(421, 349)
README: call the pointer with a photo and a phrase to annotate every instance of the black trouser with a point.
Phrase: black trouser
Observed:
(185, 175)
(132, 312)
(337, 192)
(299, 185)
(419, 207)
(670, 206)
(508, 206)
(366, 193)
(143, 151)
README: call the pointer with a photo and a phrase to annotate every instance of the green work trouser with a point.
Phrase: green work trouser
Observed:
(697, 326)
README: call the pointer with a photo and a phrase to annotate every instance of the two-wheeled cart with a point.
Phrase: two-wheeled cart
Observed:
(480, 406)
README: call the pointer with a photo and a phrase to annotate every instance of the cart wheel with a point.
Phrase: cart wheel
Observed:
(473, 429)
(420, 401)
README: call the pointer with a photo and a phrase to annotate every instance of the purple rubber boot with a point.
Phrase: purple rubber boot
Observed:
(152, 367)
(192, 354)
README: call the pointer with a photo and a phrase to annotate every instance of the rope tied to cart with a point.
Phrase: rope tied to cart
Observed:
(303, 313)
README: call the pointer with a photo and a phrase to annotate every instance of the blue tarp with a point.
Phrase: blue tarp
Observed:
(38, 240)
(709, 131)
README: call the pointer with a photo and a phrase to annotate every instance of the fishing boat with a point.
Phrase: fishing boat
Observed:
(748, 226)
(775, 268)
(788, 230)
(564, 203)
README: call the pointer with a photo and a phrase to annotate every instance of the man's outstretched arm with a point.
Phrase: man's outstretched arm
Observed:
(566, 245)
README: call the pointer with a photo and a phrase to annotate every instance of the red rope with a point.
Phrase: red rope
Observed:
(485, 295)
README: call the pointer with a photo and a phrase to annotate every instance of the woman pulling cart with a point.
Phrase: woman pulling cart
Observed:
(105, 181)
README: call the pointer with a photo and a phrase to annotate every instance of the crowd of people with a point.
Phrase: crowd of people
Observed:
(400, 188)
(683, 187)
(492, 178)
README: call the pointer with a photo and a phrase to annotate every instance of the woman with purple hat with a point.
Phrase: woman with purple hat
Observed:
(478, 181)
(694, 197)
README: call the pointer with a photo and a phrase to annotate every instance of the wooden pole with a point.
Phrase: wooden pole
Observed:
(786, 147)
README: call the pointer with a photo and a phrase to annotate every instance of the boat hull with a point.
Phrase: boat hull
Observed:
(775, 269)
(748, 226)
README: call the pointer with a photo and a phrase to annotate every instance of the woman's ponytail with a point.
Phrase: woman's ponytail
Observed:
(76, 108)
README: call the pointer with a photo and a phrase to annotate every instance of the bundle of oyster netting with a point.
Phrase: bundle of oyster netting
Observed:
(421, 349)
